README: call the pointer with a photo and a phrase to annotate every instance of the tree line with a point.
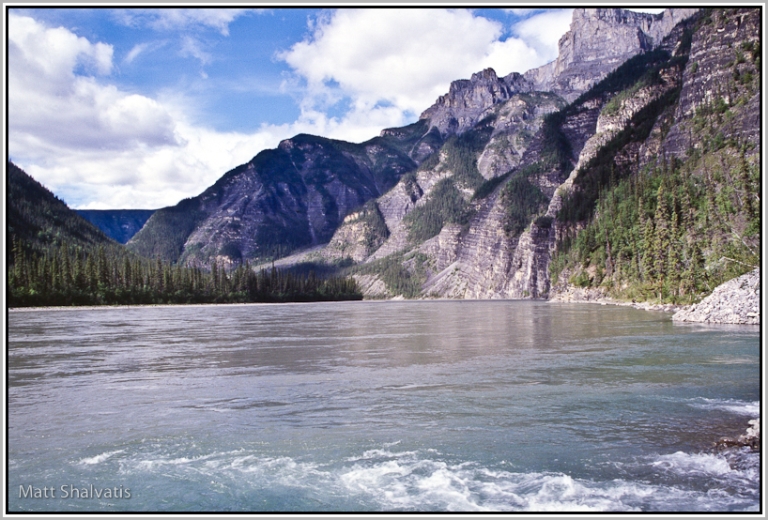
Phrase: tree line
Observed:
(72, 275)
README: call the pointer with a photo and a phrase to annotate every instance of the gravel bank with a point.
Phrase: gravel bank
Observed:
(736, 301)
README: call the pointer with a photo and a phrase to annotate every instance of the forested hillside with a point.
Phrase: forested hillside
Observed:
(37, 219)
(673, 227)
(55, 257)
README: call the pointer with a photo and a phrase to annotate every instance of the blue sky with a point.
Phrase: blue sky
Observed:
(139, 108)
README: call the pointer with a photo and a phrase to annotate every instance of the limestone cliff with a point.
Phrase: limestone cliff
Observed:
(599, 40)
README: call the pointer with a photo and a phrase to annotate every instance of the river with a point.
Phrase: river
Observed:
(378, 406)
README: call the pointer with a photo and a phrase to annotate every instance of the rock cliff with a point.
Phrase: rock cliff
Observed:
(599, 40)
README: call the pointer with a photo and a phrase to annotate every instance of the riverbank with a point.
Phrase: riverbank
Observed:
(579, 295)
(735, 302)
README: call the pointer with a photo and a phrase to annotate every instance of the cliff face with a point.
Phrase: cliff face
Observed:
(601, 39)
(724, 55)
(468, 101)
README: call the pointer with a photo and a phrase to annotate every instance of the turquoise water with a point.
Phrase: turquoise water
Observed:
(378, 406)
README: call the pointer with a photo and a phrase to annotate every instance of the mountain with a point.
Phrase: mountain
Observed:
(38, 219)
(294, 196)
(118, 224)
(628, 166)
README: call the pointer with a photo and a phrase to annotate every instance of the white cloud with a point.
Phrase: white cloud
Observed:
(49, 101)
(543, 31)
(89, 141)
(143, 48)
(182, 19)
(190, 47)
(134, 52)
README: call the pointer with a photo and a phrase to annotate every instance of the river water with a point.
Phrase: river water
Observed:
(378, 406)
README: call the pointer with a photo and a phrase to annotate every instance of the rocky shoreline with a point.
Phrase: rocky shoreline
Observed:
(579, 295)
(735, 302)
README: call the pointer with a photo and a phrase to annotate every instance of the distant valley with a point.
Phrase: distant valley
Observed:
(118, 224)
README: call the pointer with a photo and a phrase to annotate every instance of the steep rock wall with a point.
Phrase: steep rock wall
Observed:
(584, 57)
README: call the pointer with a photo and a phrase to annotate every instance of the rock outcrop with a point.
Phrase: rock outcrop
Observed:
(723, 54)
(736, 301)
(750, 439)
(601, 39)
(468, 101)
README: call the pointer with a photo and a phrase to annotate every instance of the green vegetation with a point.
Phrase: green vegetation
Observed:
(461, 153)
(602, 170)
(58, 258)
(677, 229)
(490, 185)
(375, 228)
(167, 230)
(522, 200)
(402, 274)
(671, 234)
(446, 205)
(73, 276)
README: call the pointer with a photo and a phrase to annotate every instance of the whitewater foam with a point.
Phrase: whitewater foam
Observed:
(98, 459)
(750, 408)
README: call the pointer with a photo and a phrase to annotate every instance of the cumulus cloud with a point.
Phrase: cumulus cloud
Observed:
(50, 103)
(390, 63)
(89, 141)
(543, 31)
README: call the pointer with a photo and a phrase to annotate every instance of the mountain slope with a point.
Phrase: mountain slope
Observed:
(681, 213)
(291, 197)
(38, 219)
(493, 239)
(502, 190)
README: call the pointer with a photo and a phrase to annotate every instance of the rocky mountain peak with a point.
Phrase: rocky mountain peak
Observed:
(468, 100)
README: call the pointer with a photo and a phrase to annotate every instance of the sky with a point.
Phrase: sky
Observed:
(139, 107)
